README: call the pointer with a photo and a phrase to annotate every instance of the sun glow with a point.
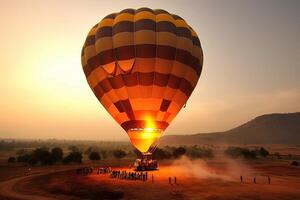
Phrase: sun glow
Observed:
(144, 138)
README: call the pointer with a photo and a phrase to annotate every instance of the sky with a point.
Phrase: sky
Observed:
(251, 66)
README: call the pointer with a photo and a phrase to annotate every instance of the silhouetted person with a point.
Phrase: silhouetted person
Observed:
(254, 179)
(175, 180)
(152, 178)
(241, 179)
(170, 180)
(269, 179)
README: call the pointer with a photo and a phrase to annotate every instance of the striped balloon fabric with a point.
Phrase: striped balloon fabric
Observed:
(142, 65)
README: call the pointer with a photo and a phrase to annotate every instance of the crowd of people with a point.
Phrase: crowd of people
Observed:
(254, 179)
(143, 176)
(104, 170)
(84, 170)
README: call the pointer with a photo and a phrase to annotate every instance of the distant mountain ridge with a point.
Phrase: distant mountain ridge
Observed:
(277, 128)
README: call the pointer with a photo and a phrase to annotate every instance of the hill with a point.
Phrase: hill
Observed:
(265, 129)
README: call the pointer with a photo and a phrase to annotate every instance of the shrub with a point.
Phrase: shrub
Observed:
(161, 154)
(237, 152)
(119, 154)
(74, 149)
(23, 158)
(198, 152)
(94, 156)
(11, 159)
(75, 157)
(263, 152)
(179, 152)
(295, 163)
(104, 154)
(56, 154)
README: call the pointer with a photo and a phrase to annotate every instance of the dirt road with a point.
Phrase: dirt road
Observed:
(8, 190)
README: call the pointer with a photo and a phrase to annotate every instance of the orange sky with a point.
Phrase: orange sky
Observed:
(251, 66)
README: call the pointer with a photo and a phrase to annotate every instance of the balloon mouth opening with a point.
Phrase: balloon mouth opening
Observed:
(144, 139)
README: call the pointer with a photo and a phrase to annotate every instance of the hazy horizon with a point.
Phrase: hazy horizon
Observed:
(251, 66)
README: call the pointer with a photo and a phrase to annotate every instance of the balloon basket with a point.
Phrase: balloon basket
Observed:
(145, 163)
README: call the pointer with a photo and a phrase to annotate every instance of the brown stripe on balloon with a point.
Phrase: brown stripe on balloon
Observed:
(176, 17)
(184, 32)
(147, 79)
(161, 79)
(116, 82)
(144, 9)
(90, 40)
(105, 31)
(146, 51)
(123, 26)
(143, 124)
(95, 25)
(125, 106)
(143, 24)
(82, 51)
(98, 91)
(93, 63)
(110, 16)
(186, 86)
(196, 41)
(101, 59)
(128, 10)
(160, 11)
(165, 26)
(130, 79)
(87, 70)
(164, 105)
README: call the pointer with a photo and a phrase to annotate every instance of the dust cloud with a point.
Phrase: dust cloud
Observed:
(221, 168)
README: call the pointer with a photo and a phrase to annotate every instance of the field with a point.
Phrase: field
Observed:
(212, 179)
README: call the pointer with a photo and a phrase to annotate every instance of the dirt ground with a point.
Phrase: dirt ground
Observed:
(214, 179)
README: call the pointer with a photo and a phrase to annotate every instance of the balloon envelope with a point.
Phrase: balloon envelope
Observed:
(142, 65)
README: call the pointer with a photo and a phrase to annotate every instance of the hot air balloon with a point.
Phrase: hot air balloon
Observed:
(142, 65)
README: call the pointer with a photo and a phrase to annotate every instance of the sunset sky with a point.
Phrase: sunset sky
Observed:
(251, 66)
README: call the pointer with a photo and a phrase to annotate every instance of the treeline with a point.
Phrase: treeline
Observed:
(15, 144)
(189, 151)
(240, 152)
(46, 156)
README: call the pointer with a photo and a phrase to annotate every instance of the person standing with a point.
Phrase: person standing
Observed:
(175, 180)
(254, 179)
(152, 178)
(170, 180)
(241, 178)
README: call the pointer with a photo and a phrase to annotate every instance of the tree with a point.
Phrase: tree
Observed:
(179, 152)
(161, 154)
(23, 158)
(295, 163)
(11, 159)
(74, 148)
(236, 152)
(263, 152)
(75, 157)
(40, 156)
(103, 154)
(56, 154)
(94, 156)
(199, 152)
(119, 154)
